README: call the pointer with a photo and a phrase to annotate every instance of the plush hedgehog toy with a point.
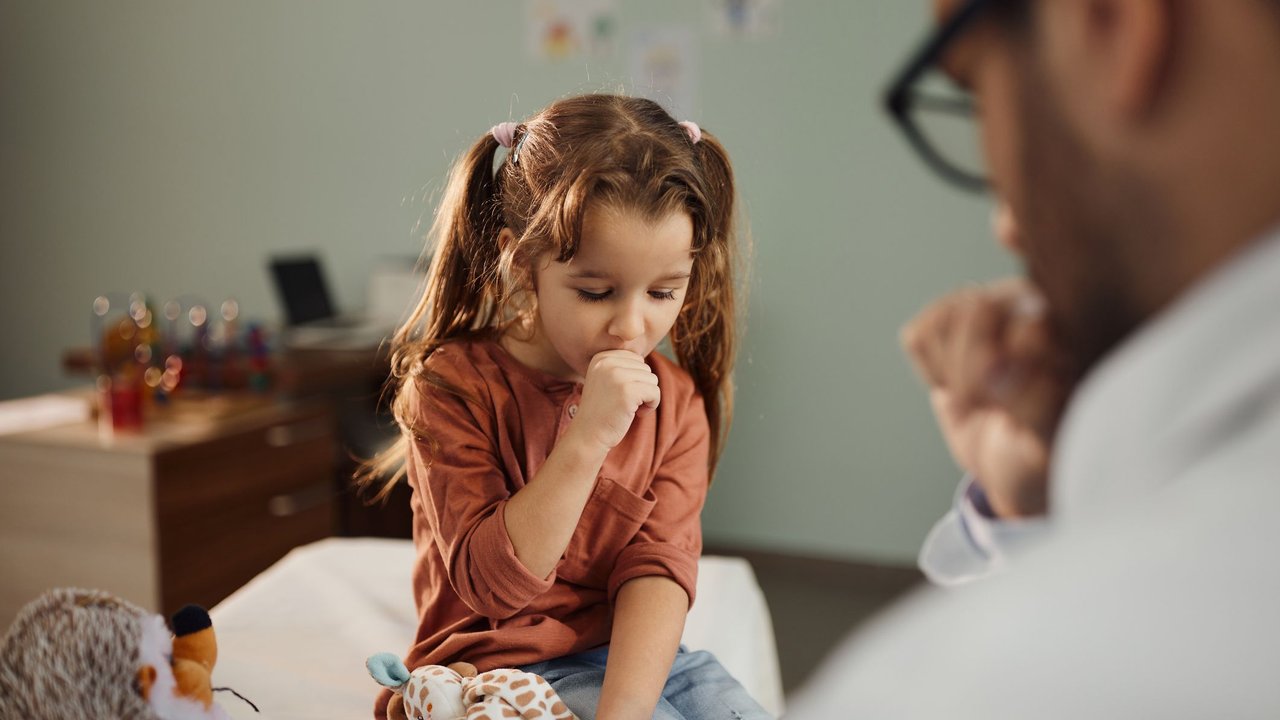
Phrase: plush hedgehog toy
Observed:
(87, 654)
(456, 692)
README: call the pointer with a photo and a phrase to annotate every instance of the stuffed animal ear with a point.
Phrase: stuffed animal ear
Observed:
(146, 678)
(190, 619)
(387, 670)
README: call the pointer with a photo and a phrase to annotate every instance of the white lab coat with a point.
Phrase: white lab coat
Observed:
(1154, 590)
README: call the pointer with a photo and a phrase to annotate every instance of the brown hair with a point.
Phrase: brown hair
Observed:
(627, 153)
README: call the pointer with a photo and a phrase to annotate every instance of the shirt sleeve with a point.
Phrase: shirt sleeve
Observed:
(970, 542)
(464, 492)
(669, 541)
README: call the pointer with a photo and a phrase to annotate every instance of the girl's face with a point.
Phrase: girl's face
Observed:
(622, 290)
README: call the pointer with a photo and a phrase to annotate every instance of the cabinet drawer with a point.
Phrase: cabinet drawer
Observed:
(268, 458)
(229, 508)
(206, 557)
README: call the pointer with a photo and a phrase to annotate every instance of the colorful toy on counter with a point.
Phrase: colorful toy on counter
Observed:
(144, 359)
(259, 360)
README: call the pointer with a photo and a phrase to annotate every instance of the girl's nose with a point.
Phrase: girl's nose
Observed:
(627, 324)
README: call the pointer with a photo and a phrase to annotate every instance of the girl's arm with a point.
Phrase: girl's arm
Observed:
(655, 577)
(542, 516)
(648, 620)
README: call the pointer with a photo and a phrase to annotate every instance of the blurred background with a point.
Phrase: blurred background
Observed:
(176, 148)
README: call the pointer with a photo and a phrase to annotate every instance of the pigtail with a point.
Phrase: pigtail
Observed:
(705, 336)
(461, 297)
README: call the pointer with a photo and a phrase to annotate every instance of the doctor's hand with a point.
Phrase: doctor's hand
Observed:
(998, 384)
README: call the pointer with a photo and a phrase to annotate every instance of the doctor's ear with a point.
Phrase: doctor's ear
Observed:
(1131, 46)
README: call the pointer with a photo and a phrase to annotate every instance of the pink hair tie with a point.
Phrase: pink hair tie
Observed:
(504, 133)
(692, 130)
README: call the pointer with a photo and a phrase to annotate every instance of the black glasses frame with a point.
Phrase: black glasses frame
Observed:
(902, 97)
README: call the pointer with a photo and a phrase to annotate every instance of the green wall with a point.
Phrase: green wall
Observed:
(171, 146)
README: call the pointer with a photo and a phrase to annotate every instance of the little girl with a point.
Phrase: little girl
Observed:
(558, 462)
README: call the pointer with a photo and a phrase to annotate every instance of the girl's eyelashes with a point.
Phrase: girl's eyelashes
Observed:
(588, 296)
(593, 296)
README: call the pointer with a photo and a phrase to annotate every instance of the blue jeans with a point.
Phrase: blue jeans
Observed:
(698, 688)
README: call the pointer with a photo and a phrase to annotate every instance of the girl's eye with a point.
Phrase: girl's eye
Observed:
(593, 296)
(662, 294)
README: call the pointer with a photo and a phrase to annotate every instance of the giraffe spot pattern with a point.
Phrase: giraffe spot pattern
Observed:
(489, 695)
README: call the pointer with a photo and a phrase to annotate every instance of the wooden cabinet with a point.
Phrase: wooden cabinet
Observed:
(185, 511)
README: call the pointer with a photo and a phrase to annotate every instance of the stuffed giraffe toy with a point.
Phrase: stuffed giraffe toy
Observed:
(457, 692)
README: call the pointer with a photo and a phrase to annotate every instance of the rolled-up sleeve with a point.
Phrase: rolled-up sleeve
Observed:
(464, 492)
(669, 541)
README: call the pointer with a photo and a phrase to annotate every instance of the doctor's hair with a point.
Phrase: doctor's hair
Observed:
(623, 153)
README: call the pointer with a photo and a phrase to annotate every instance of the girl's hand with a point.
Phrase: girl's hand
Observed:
(998, 385)
(618, 385)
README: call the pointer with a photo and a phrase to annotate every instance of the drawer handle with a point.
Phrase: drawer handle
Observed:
(299, 502)
(285, 435)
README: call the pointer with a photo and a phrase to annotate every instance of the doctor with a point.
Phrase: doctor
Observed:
(1117, 412)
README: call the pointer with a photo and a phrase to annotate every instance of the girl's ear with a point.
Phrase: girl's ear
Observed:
(505, 237)
(506, 240)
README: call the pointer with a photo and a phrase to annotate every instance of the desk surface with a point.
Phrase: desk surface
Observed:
(188, 421)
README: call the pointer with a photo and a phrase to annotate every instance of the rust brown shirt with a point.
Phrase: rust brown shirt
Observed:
(476, 601)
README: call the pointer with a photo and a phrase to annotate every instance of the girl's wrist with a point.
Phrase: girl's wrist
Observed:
(581, 451)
